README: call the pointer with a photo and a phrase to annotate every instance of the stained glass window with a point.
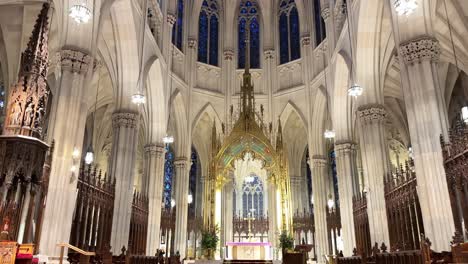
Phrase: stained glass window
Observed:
(289, 33)
(309, 177)
(252, 197)
(168, 177)
(334, 176)
(320, 32)
(249, 15)
(177, 30)
(193, 180)
(208, 27)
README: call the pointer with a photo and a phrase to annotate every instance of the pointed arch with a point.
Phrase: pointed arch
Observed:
(289, 31)
(342, 102)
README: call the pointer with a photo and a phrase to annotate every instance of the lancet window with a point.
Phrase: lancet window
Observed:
(249, 15)
(208, 31)
(178, 29)
(289, 33)
(193, 180)
(320, 32)
(168, 176)
(334, 175)
(252, 196)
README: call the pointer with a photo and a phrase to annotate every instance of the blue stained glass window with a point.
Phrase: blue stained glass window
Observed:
(168, 177)
(193, 180)
(249, 15)
(203, 37)
(177, 30)
(334, 176)
(320, 32)
(309, 176)
(208, 31)
(289, 31)
(252, 197)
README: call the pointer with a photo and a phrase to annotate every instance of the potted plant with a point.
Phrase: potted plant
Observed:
(209, 242)
(286, 242)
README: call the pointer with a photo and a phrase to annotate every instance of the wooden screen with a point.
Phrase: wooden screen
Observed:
(361, 225)
(138, 225)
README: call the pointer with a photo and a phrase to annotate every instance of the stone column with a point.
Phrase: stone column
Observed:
(329, 27)
(154, 155)
(272, 217)
(67, 130)
(427, 120)
(181, 193)
(125, 125)
(348, 186)
(320, 187)
(375, 163)
(227, 208)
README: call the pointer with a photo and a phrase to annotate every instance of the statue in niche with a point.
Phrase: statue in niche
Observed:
(16, 113)
(28, 114)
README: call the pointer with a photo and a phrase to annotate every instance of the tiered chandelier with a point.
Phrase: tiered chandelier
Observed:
(80, 13)
(405, 7)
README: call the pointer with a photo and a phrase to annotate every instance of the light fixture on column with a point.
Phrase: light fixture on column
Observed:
(139, 98)
(464, 114)
(89, 157)
(168, 139)
(329, 134)
(405, 7)
(172, 203)
(76, 153)
(80, 13)
(355, 90)
(330, 202)
(190, 198)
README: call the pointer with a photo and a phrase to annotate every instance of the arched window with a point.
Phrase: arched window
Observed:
(168, 177)
(252, 196)
(193, 180)
(309, 178)
(208, 29)
(320, 32)
(249, 15)
(334, 176)
(177, 30)
(289, 31)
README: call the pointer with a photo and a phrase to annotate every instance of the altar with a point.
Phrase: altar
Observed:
(248, 251)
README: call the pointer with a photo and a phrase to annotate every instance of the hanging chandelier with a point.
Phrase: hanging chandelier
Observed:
(329, 134)
(355, 90)
(168, 139)
(405, 7)
(80, 13)
(89, 157)
(138, 98)
(190, 198)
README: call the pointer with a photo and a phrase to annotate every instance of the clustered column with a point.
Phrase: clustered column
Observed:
(348, 186)
(320, 187)
(125, 125)
(154, 161)
(181, 201)
(375, 163)
(227, 208)
(67, 131)
(427, 120)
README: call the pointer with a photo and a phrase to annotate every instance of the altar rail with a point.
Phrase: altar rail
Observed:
(455, 154)
(403, 210)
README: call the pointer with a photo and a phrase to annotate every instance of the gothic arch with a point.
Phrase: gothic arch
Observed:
(179, 111)
(342, 102)
(155, 108)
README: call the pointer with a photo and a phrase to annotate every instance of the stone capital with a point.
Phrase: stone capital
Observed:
(181, 163)
(325, 13)
(344, 147)
(124, 120)
(171, 19)
(319, 161)
(305, 41)
(75, 61)
(424, 48)
(228, 54)
(155, 150)
(192, 43)
(269, 54)
(372, 113)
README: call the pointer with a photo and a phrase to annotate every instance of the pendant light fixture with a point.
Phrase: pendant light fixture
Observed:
(80, 12)
(139, 98)
(464, 109)
(405, 7)
(355, 90)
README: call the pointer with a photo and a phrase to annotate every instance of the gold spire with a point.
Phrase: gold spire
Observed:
(247, 89)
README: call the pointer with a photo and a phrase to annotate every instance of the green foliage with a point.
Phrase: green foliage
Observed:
(286, 241)
(210, 239)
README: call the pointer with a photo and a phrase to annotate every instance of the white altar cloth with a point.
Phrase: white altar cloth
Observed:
(248, 251)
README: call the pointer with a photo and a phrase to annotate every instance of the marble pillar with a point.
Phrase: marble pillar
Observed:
(375, 164)
(227, 212)
(427, 120)
(320, 187)
(348, 186)
(68, 119)
(181, 200)
(154, 156)
(125, 127)
(272, 214)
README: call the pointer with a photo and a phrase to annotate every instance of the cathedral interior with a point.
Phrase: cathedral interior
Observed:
(234, 131)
